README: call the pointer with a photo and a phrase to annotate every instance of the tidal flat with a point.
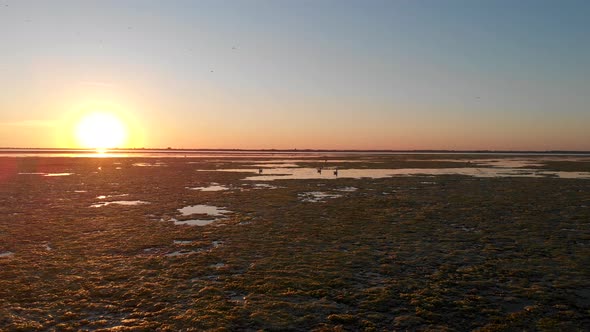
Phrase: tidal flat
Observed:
(440, 251)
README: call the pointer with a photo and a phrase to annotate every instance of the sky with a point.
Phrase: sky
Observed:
(318, 74)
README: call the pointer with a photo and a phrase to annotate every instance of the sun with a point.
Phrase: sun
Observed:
(101, 130)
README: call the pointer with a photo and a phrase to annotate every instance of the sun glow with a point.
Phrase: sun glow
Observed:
(101, 130)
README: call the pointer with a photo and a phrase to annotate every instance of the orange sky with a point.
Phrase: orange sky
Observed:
(345, 75)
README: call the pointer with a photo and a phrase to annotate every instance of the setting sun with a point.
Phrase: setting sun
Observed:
(101, 131)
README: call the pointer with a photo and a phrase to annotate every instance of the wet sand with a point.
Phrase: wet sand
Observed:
(431, 251)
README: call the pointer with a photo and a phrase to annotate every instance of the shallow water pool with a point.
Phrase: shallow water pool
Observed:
(312, 173)
(119, 203)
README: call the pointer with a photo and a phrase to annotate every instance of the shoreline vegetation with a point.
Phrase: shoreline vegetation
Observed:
(140, 243)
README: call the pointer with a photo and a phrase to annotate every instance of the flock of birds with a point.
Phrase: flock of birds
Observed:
(319, 169)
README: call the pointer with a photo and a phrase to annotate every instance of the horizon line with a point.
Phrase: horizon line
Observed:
(172, 150)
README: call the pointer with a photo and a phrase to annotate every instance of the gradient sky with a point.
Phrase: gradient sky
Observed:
(437, 74)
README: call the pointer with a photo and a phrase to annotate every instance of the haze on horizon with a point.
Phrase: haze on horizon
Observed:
(453, 74)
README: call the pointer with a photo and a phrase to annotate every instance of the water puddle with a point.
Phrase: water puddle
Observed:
(109, 196)
(265, 186)
(276, 162)
(182, 242)
(316, 196)
(500, 162)
(156, 164)
(287, 165)
(47, 174)
(203, 209)
(119, 203)
(570, 175)
(6, 254)
(508, 163)
(182, 253)
(519, 162)
(347, 189)
(207, 210)
(313, 173)
(212, 187)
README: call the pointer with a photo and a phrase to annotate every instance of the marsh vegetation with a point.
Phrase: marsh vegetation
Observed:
(439, 252)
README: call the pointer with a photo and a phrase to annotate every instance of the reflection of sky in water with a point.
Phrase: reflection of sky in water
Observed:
(208, 210)
(109, 196)
(211, 188)
(182, 253)
(264, 186)
(296, 162)
(47, 174)
(504, 162)
(312, 173)
(156, 164)
(316, 196)
(119, 203)
(202, 209)
(183, 241)
(510, 162)
(347, 189)
(276, 165)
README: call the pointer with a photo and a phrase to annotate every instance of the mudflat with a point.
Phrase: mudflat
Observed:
(203, 244)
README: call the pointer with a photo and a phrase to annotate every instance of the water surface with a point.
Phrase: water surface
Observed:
(212, 187)
(119, 203)
(182, 253)
(316, 196)
(46, 174)
(208, 210)
(312, 173)
(203, 209)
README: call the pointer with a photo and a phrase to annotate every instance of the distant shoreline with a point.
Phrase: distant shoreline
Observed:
(203, 150)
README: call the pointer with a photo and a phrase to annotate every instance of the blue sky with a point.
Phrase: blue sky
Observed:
(301, 74)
